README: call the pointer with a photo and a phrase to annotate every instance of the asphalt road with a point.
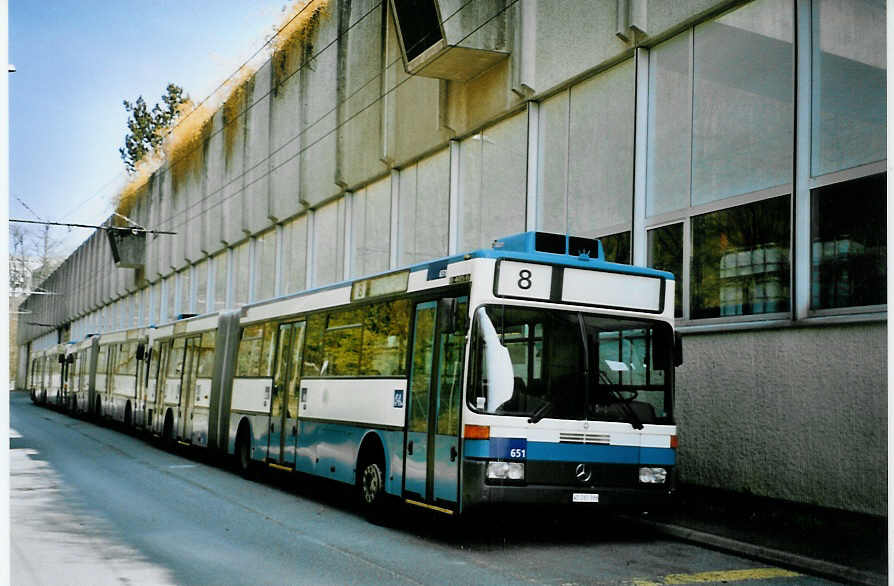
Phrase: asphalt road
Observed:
(91, 505)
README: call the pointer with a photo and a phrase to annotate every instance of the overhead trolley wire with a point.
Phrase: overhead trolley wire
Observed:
(99, 227)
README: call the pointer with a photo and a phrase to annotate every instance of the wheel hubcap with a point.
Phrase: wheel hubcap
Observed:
(370, 483)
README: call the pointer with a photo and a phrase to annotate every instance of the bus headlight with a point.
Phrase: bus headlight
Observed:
(652, 475)
(505, 470)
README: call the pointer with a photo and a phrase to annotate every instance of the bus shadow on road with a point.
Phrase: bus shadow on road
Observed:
(485, 529)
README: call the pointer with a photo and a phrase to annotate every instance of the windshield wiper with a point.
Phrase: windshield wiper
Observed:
(540, 413)
(625, 405)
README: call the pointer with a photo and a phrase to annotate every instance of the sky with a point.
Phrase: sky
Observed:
(77, 60)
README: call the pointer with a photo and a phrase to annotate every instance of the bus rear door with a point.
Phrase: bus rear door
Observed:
(283, 433)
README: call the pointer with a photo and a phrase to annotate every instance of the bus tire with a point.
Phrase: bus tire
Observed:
(371, 488)
(128, 416)
(244, 465)
(97, 411)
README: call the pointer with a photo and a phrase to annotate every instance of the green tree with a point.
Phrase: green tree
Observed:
(147, 127)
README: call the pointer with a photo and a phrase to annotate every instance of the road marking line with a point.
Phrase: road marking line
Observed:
(721, 576)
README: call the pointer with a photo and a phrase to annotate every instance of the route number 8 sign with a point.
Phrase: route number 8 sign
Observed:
(524, 280)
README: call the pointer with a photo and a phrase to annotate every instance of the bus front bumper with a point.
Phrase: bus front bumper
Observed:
(478, 491)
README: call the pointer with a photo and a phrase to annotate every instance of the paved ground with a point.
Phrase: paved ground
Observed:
(91, 505)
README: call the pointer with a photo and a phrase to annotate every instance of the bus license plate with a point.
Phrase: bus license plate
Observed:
(584, 497)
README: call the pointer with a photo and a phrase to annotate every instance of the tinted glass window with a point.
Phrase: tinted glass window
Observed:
(419, 25)
(849, 249)
(255, 354)
(666, 254)
(384, 349)
(740, 260)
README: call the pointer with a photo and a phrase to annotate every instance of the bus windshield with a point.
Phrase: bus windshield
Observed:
(570, 365)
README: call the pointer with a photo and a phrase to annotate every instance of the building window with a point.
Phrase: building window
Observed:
(170, 284)
(220, 281)
(666, 254)
(848, 93)
(743, 80)
(740, 260)
(617, 247)
(185, 285)
(493, 179)
(586, 149)
(419, 26)
(265, 265)
(242, 273)
(424, 210)
(848, 238)
(294, 256)
(155, 303)
(371, 229)
(201, 276)
(329, 243)
(710, 89)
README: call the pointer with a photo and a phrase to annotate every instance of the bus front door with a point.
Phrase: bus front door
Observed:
(188, 386)
(283, 430)
(431, 458)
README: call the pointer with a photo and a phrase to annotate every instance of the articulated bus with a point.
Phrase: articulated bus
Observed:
(531, 372)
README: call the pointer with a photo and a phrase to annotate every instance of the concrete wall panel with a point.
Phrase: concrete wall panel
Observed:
(254, 198)
(574, 39)
(360, 115)
(216, 159)
(192, 196)
(285, 143)
(795, 413)
(229, 183)
(318, 138)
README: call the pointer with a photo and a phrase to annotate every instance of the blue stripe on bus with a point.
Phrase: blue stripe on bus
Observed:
(547, 451)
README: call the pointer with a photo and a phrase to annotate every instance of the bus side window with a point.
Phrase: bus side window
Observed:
(249, 353)
(206, 354)
(385, 331)
(313, 350)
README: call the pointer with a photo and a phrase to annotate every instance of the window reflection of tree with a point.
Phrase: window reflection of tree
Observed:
(730, 252)
(420, 386)
(369, 340)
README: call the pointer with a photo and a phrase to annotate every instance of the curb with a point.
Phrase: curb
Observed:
(794, 561)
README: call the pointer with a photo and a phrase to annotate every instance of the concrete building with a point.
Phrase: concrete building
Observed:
(740, 145)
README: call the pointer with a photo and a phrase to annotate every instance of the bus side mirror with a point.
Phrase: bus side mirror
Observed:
(678, 349)
(141, 351)
(70, 358)
(62, 359)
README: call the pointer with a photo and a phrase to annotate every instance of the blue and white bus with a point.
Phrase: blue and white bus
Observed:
(534, 371)
(530, 372)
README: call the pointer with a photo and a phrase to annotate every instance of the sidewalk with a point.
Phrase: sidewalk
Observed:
(843, 546)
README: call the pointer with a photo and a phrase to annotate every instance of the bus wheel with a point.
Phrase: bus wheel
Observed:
(244, 464)
(128, 416)
(98, 411)
(371, 485)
